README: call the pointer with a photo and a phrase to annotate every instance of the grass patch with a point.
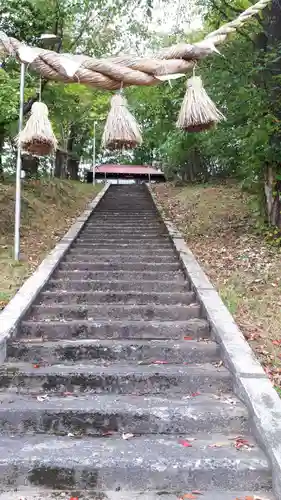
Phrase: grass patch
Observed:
(48, 209)
(219, 227)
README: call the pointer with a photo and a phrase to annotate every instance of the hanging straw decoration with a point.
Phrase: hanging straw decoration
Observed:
(198, 111)
(121, 129)
(37, 137)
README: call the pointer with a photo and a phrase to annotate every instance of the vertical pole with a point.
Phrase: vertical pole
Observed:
(18, 172)
(149, 179)
(94, 155)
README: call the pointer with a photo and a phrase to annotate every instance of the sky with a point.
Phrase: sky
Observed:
(178, 14)
(168, 17)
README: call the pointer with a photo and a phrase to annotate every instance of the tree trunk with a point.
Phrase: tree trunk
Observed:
(60, 170)
(72, 162)
(2, 140)
(269, 42)
(30, 165)
(272, 189)
(72, 168)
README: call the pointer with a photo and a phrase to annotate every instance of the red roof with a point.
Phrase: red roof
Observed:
(127, 169)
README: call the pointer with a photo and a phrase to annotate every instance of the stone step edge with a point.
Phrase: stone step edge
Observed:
(115, 466)
(122, 403)
(119, 293)
(139, 351)
(36, 493)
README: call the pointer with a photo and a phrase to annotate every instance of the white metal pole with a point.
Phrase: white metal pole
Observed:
(94, 155)
(18, 172)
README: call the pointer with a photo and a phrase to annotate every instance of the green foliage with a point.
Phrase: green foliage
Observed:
(244, 83)
(95, 27)
(9, 96)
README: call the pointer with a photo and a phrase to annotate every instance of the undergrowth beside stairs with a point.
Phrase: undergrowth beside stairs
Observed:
(220, 228)
(49, 207)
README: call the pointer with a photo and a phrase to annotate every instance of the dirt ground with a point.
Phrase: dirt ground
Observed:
(220, 228)
(48, 209)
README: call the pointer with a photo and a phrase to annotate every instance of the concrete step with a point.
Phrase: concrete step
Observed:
(118, 286)
(131, 351)
(117, 257)
(126, 219)
(120, 266)
(122, 253)
(124, 228)
(124, 233)
(122, 275)
(177, 330)
(135, 206)
(35, 493)
(149, 312)
(130, 216)
(139, 463)
(125, 244)
(116, 378)
(125, 224)
(125, 237)
(133, 298)
(117, 234)
(101, 414)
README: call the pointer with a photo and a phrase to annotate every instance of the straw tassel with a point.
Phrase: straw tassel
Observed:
(37, 137)
(198, 112)
(121, 129)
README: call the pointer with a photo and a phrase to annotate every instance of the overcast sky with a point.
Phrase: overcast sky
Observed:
(177, 14)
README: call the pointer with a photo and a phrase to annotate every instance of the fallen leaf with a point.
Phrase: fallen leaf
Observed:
(160, 362)
(276, 342)
(219, 364)
(188, 338)
(184, 443)
(197, 492)
(252, 336)
(74, 498)
(230, 401)
(188, 496)
(36, 365)
(195, 394)
(108, 433)
(127, 435)
(42, 398)
(242, 443)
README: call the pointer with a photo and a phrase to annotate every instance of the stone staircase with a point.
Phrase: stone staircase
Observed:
(112, 388)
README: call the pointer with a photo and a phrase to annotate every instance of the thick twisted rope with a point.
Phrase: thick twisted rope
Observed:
(113, 72)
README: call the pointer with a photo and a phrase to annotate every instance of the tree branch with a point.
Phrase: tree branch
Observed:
(224, 15)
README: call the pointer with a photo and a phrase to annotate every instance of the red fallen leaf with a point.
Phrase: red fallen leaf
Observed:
(276, 342)
(160, 362)
(240, 443)
(74, 498)
(36, 365)
(194, 394)
(187, 338)
(186, 444)
(66, 393)
(188, 496)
